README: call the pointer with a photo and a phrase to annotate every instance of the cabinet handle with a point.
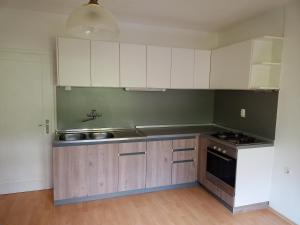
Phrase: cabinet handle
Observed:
(183, 161)
(132, 153)
(183, 149)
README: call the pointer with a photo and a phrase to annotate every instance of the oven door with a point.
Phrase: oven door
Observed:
(221, 166)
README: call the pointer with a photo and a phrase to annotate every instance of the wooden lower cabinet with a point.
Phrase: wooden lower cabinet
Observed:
(89, 170)
(102, 168)
(70, 172)
(159, 163)
(183, 172)
(132, 171)
(185, 159)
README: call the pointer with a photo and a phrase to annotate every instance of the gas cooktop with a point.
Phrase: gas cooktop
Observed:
(236, 138)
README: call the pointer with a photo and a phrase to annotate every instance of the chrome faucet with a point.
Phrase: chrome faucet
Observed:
(92, 115)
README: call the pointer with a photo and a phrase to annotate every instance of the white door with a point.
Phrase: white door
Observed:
(202, 69)
(182, 73)
(26, 101)
(158, 67)
(73, 59)
(230, 66)
(132, 65)
(105, 57)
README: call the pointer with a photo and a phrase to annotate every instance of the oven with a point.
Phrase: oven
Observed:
(221, 166)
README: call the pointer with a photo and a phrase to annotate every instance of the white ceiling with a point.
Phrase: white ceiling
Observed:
(209, 15)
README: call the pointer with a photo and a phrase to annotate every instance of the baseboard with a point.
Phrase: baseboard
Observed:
(24, 186)
(282, 216)
(251, 207)
(122, 194)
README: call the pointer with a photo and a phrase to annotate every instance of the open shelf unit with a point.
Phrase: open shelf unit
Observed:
(266, 62)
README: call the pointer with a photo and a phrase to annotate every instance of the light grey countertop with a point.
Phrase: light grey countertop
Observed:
(157, 132)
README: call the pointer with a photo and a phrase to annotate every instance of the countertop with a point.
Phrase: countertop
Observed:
(144, 133)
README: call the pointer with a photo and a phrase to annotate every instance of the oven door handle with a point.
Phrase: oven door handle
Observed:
(219, 156)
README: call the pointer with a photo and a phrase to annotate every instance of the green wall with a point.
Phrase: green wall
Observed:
(129, 108)
(125, 109)
(261, 111)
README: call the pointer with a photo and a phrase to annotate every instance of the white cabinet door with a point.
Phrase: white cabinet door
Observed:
(73, 62)
(105, 64)
(230, 66)
(158, 67)
(202, 69)
(133, 65)
(182, 73)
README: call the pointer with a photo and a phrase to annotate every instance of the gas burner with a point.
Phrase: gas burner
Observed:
(235, 138)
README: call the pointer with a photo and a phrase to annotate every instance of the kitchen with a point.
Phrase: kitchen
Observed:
(123, 124)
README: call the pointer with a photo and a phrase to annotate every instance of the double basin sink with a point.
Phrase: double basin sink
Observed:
(85, 136)
(94, 134)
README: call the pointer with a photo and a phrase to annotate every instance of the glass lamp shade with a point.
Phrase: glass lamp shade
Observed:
(92, 21)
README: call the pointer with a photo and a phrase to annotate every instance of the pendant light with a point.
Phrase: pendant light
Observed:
(92, 21)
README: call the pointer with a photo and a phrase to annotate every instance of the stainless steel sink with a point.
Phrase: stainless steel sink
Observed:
(100, 135)
(91, 135)
(72, 136)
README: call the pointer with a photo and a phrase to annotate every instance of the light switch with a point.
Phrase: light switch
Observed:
(243, 113)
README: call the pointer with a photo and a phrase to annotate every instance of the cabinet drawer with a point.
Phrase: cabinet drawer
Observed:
(184, 155)
(183, 172)
(132, 172)
(184, 144)
(132, 147)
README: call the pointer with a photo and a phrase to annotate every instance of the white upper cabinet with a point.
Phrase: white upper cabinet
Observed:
(202, 69)
(73, 59)
(230, 66)
(252, 64)
(86, 63)
(132, 65)
(105, 64)
(158, 67)
(182, 73)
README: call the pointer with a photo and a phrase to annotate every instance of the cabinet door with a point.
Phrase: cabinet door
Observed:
(132, 65)
(105, 64)
(102, 169)
(230, 66)
(73, 59)
(132, 171)
(70, 172)
(183, 171)
(158, 67)
(182, 73)
(159, 163)
(202, 69)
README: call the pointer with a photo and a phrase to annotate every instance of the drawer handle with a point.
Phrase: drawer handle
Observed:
(132, 153)
(183, 161)
(183, 149)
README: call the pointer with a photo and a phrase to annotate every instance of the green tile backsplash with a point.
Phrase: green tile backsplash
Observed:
(121, 108)
(261, 111)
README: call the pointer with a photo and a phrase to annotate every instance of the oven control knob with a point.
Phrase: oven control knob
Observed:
(215, 147)
(224, 151)
(219, 149)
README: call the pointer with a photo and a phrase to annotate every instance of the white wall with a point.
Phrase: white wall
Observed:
(36, 31)
(285, 193)
(285, 188)
(269, 23)
(23, 29)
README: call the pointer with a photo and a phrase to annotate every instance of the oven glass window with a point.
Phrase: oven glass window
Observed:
(221, 166)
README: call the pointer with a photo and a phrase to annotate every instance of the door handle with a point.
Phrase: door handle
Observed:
(46, 125)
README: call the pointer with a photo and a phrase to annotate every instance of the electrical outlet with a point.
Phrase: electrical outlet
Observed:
(243, 113)
(286, 170)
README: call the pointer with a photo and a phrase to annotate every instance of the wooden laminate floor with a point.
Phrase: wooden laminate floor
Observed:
(193, 206)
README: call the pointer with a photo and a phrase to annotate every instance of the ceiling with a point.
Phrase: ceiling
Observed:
(209, 15)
